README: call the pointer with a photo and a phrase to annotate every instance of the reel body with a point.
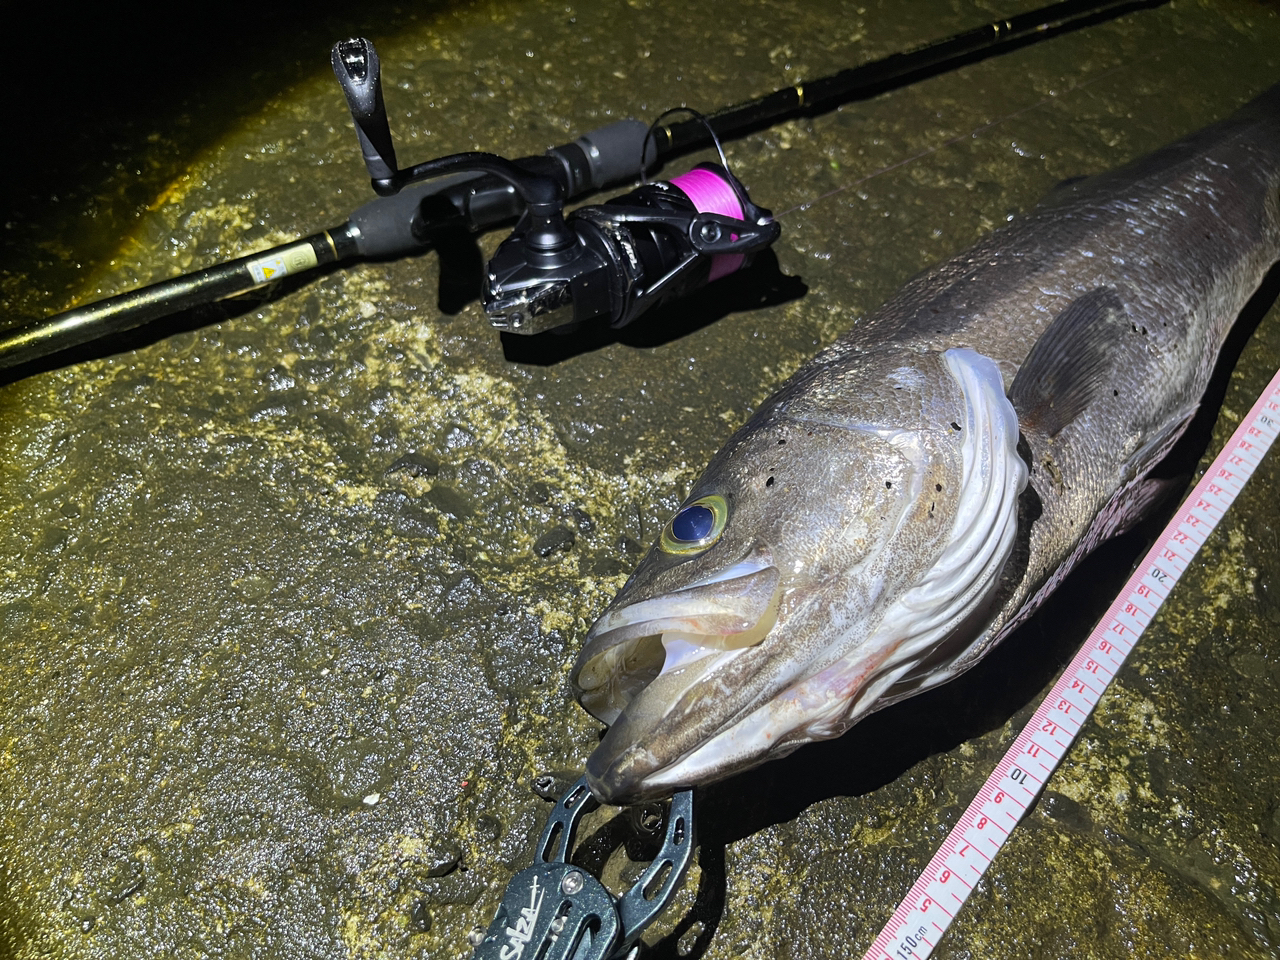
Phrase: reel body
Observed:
(659, 242)
(618, 259)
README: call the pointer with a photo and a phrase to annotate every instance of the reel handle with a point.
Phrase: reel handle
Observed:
(355, 63)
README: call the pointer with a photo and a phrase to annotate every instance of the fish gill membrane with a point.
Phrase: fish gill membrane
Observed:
(915, 490)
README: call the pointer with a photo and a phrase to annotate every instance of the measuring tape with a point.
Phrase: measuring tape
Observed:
(927, 910)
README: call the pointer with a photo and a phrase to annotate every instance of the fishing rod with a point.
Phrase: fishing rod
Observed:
(617, 259)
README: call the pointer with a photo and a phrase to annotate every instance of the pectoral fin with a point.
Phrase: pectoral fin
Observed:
(1070, 364)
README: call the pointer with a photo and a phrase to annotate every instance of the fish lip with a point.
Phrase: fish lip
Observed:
(624, 650)
(620, 771)
(678, 607)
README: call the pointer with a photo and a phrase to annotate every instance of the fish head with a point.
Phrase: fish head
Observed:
(768, 614)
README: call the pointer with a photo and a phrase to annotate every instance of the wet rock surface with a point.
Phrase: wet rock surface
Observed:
(289, 594)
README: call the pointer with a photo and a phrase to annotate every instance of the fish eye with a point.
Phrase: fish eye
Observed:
(696, 526)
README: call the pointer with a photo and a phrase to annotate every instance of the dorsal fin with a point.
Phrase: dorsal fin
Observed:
(1062, 192)
(1070, 363)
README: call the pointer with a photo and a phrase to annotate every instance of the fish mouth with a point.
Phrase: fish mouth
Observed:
(642, 658)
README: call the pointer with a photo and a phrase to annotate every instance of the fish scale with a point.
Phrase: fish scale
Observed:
(926, 912)
(1100, 313)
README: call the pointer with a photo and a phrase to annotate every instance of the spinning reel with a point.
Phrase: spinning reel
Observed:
(617, 259)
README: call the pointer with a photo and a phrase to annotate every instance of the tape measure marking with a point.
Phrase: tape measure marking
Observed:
(927, 910)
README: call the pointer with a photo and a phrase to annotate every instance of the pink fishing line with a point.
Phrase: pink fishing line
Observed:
(710, 193)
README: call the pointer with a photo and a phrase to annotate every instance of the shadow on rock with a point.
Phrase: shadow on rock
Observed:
(763, 284)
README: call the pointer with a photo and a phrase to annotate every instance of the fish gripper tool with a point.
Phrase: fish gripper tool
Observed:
(555, 909)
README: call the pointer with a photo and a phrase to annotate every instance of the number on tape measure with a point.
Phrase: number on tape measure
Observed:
(942, 888)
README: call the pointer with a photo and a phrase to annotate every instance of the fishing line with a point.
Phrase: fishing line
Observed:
(971, 135)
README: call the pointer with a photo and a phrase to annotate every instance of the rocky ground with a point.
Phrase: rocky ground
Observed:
(290, 592)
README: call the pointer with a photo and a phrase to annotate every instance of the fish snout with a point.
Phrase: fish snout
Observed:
(648, 668)
(620, 769)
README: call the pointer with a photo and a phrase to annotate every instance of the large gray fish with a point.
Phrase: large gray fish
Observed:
(913, 492)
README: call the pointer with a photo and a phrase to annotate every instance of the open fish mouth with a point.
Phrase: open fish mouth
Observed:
(704, 677)
(676, 634)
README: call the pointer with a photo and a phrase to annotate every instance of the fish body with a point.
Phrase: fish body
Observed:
(915, 490)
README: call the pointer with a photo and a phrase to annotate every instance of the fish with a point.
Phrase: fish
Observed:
(912, 493)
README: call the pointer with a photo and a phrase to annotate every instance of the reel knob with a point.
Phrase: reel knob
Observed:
(355, 63)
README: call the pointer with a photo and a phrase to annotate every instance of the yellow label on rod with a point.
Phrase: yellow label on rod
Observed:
(281, 263)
